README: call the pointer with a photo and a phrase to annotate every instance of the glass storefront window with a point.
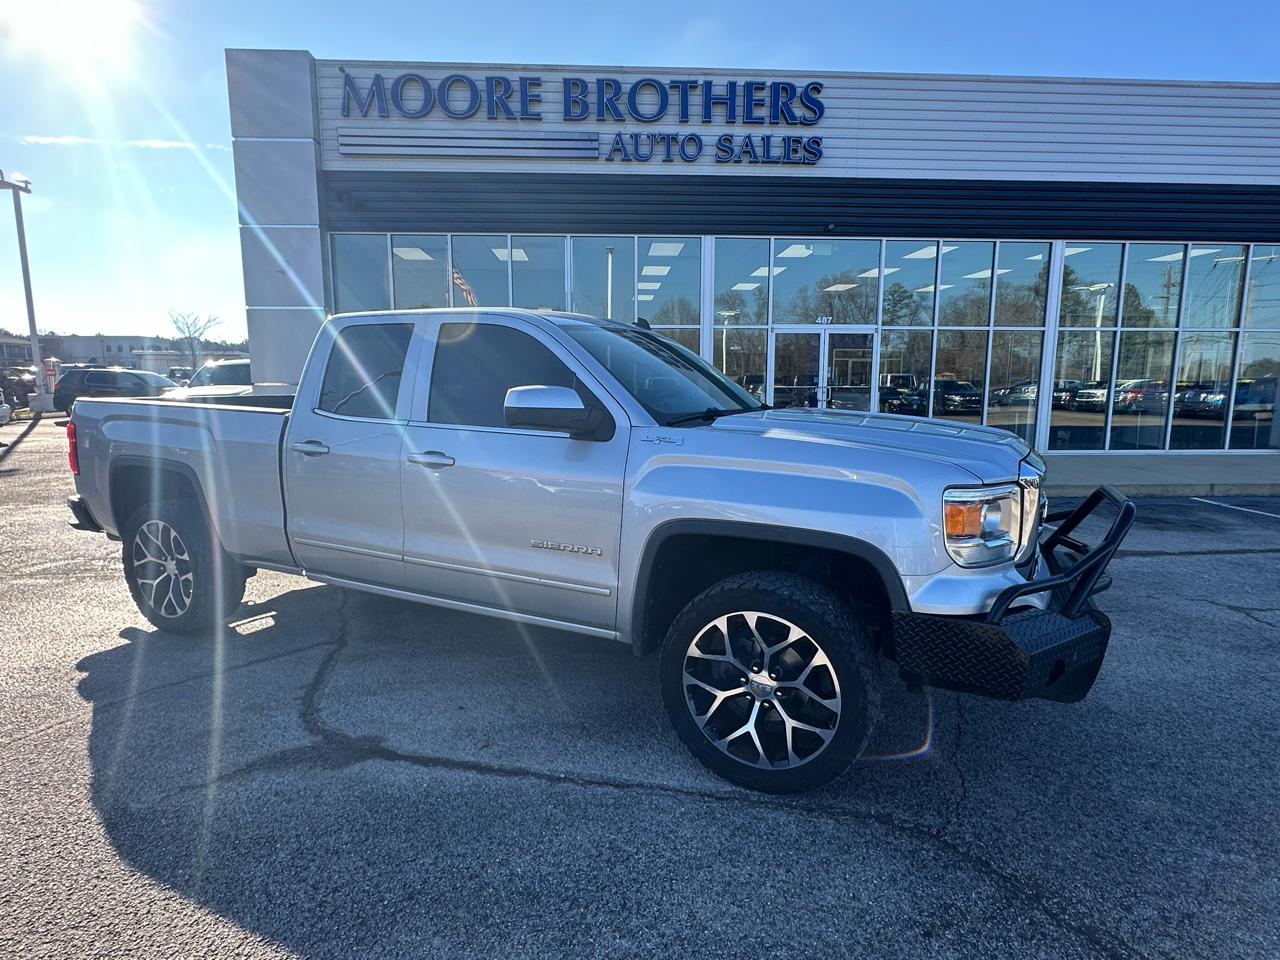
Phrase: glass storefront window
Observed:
(1214, 276)
(480, 272)
(909, 267)
(1022, 284)
(826, 281)
(1253, 420)
(964, 285)
(742, 355)
(795, 369)
(420, 271)
(1090, 283)
(360, 272)
(741, 281)
(537, 272)
(1202, 391)
(1141, 395)
(669, 285)
(1015, 379)
(1262, 305)
(904, 371)
(1152, 285)
(1082, 384)
(604, 277)
(960, 375)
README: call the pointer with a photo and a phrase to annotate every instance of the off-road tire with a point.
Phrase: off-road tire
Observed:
(833, 628)
(179, 603)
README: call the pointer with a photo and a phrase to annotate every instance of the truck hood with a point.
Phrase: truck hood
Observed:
(989, 454)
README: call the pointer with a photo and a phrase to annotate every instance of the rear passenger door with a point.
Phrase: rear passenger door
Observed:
(518, 520)
(342, 456)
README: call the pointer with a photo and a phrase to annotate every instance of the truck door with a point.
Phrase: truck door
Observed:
(511, 519)
(342, 455)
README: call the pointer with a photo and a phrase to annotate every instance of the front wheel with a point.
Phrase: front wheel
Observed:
(178, 575)
(771, 681)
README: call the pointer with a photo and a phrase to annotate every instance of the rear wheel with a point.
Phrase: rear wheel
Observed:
(771, 681)
(178, 575)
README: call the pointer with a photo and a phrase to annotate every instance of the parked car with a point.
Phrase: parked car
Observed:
(1255, 398)
(956, 396)
(1142, 396)
(179, 375)
(107, 382)
(1201, 400)
(591, 476)
(216, 378)
(900, 400)
(1090, 396)
(17, 385)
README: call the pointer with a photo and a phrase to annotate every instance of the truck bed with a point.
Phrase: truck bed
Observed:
(228, 448)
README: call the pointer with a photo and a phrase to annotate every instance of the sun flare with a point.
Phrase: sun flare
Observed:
(79, 36)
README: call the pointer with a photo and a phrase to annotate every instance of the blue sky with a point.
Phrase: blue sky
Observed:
(116, 109)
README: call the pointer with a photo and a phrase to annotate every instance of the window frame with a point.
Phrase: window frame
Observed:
(403, 395)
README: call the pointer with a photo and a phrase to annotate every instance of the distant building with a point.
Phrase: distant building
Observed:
(14, 350)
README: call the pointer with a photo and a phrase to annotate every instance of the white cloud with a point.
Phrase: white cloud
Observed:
(58, 140)
(161, 144)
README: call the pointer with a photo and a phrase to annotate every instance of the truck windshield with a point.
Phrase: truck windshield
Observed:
(222, 375)
(669, 381)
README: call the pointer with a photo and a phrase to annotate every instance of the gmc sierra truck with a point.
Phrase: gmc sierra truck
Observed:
(594, 477)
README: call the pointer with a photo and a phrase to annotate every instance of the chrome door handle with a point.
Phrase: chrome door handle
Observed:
(432, 458)
(312, 448)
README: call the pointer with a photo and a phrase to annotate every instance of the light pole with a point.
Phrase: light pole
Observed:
(1101, 290)
(42, 402)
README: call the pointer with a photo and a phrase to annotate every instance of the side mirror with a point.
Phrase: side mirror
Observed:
(555, 408)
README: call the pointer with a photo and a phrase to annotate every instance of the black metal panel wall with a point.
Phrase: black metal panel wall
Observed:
(839, 206)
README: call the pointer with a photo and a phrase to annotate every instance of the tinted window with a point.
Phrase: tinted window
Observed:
(101, 378)
(155, 379)
(232, 374)
(73, 379)
(363, 376)
(477, 363)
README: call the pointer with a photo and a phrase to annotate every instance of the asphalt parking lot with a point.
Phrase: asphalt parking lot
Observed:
(341, 775)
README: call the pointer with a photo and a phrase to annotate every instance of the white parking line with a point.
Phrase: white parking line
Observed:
(1230, 506)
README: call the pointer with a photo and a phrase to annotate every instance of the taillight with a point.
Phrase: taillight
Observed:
(73, 457)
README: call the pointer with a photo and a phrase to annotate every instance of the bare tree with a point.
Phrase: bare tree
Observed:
(190, 329)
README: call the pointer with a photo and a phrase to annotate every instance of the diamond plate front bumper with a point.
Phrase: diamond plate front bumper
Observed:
(1050, 654)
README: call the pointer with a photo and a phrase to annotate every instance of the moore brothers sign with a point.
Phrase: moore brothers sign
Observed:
(606, 100)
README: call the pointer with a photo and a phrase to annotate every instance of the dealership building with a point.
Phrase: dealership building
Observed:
(916, 244)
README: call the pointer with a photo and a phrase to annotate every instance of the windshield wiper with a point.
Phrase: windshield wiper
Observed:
(713, 413)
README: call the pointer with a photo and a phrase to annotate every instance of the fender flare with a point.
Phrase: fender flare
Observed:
(153, 463)
(839, 543)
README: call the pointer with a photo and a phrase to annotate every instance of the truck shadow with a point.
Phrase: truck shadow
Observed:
(346, 774)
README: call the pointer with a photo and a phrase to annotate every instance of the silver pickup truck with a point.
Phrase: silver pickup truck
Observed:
(594, 477)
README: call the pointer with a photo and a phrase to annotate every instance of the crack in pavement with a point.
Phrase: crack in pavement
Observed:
(334, 749)
(1124, 554)
(1246, 611)
(963, 795)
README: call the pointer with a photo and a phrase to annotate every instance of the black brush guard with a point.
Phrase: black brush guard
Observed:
(1050, 654)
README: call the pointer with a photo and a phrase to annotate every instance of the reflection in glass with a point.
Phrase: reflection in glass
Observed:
(959, 374)
(1014, 384)
(1253, 421)
(904, 371)
(360, 272)
(419, 270)
(849, 371)
(964, 287)
(1262, 306)
(1090, 281)
(826, 281)
(604, 277)
(1141, 395)
(1202, 391)
(687, 337)
(669, 287)
(795, 369)
(908, 282)
(741, 355)
(1214, 276)
(537, 272)
(480, 272)
(741, 281)
(1152, 285)
(1022, 282)
(1082, 383)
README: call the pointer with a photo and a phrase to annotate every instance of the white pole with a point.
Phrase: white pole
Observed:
(608, 306)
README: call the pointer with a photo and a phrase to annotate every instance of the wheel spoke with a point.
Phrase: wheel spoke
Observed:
(719, 697)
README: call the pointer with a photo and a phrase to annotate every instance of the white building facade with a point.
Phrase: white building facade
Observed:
(922, 245)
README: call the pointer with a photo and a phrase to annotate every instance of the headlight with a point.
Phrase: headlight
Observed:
(982, 524)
